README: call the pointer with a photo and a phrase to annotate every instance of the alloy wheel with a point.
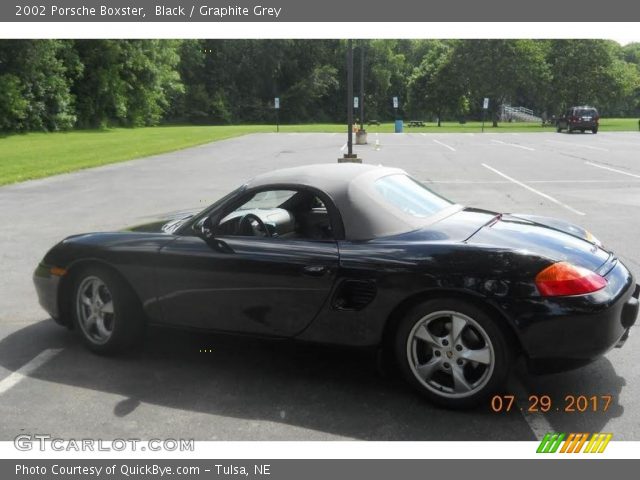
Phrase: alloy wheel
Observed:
(94, 307)
(450, 354)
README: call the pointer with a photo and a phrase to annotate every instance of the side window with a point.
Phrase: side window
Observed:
(267, 200)
(278, 214)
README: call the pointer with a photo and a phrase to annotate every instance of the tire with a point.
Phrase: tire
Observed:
(594, 130)
(106, 312)
(558, 129)
(582, 130)
(441, 368)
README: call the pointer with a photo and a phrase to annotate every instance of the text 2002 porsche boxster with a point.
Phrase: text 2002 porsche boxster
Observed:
(361, 256)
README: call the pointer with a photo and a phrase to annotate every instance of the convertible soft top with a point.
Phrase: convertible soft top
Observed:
(350, 186)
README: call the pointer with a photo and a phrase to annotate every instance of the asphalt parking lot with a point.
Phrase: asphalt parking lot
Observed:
(248, 389)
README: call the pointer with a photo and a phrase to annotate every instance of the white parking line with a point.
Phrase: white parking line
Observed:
(613, 170)
(537, 421)
(444, 145)
(343, 147)
(491, 182)
(514, 145)
(27, 369)
(533, 190)
(616, 139)
(578, 145)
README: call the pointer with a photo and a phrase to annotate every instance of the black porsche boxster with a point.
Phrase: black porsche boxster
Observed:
(360, 256)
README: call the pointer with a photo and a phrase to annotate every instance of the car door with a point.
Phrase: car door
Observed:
(246, 284)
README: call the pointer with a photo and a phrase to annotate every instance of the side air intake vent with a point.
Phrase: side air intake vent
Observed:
(354, 294)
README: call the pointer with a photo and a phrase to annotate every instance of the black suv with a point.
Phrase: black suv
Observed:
(579, 118)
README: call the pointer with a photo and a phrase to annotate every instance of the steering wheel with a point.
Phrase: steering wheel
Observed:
(252, 224)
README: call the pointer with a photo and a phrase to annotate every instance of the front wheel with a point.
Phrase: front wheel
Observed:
(594, 130)
(452, 352)
(106, 312)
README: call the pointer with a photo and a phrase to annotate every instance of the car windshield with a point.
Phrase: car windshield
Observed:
(585, 112)
(410, 196)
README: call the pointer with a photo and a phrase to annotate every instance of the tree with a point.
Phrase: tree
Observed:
(42, 72)
(14, 108)
(386, 75)
(58, 84)
(590, 72)
(126, 82)
(500, 70)
(631, 54)
(433, 85)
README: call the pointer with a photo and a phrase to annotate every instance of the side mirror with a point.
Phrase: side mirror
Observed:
(206, 228)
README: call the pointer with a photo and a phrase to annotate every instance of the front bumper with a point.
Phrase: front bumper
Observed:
(47, 286)
(567, 332)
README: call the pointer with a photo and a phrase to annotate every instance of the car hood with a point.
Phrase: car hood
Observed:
(547, 237)
(166, 223)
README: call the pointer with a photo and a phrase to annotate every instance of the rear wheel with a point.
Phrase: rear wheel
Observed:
(594, 130)
(106, 312)
(558, 129)
(452, 352)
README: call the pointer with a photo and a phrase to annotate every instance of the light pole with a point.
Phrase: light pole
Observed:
(350, 96)
(361, 136)
(349, 156)
(362, 85)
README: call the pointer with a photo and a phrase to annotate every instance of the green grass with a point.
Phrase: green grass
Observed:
(606, 125)
(37, 155)
(619, 124)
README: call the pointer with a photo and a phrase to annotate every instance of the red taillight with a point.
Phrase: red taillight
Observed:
(562, 278)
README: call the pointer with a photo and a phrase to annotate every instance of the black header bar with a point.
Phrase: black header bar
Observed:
(320, 11)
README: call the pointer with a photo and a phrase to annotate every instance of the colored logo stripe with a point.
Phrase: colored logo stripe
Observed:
(574, 442)
(550, 443)
(598, 443)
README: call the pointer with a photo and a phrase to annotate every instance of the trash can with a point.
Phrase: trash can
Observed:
(398, 126)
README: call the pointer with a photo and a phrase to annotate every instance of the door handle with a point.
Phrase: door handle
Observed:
(220, 245)
(315, 270)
